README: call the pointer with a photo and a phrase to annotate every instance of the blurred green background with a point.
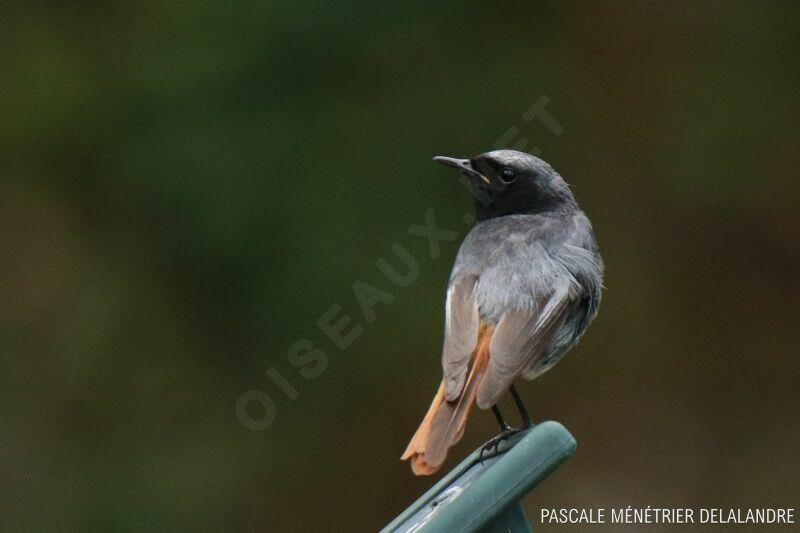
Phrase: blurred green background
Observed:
(186, 187)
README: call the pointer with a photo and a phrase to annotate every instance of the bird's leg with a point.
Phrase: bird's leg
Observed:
(502, 423)
(506, 431)
(526, 419)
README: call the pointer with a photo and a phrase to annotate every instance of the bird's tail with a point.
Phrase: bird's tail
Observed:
(444, 423)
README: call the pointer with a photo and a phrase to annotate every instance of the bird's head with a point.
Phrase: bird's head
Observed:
(507, 182)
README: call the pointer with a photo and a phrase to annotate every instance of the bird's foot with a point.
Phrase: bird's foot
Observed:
(493, 443)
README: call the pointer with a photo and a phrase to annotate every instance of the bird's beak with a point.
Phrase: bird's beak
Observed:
(463, 165)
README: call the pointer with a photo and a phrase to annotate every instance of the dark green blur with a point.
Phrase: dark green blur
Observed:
(185, 188)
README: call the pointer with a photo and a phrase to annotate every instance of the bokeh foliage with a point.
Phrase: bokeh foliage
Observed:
(188, 186)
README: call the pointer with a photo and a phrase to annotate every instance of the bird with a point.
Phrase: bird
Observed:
(525, 285)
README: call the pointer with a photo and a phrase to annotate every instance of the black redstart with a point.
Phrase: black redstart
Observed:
(524, 287)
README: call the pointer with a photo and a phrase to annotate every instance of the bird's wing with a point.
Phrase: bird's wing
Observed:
(460, 333)
(521, 336)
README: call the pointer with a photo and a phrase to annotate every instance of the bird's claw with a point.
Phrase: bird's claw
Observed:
(495, 441)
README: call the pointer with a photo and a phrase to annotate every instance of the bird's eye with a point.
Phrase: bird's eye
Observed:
(507, 175)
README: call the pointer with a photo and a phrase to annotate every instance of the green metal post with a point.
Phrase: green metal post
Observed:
(483, 493)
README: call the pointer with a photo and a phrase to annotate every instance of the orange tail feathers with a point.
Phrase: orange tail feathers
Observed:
(416, 448)
(444, 422)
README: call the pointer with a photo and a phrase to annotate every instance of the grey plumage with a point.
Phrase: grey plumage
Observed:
(543, 269)
(524, 287)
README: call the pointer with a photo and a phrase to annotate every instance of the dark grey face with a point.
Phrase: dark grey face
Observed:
(507, 182)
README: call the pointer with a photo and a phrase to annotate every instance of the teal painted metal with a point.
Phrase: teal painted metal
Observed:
(483, 493)
(512, 520)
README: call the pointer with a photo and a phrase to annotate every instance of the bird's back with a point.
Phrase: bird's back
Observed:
(519, 259)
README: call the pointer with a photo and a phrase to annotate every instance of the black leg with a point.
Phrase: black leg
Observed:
(526, 419)
(499, 417)
(506, 432)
